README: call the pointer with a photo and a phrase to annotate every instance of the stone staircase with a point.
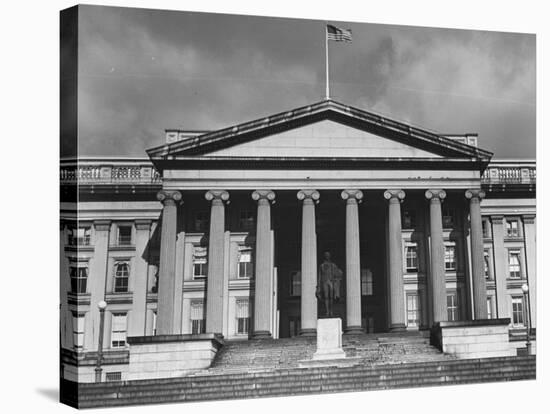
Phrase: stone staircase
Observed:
(267, 354)
(298, 381)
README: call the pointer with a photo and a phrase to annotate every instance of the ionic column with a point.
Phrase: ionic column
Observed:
(215, 280)
(437, 256)
(353, 265)
(262, 276)
(309, 262)
(478, 272)
(136, 323)
(167, 266)
(395, 245)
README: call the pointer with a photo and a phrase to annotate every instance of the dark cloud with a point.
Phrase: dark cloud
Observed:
(141, 71)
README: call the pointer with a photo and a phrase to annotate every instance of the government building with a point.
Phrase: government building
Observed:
(222, 233)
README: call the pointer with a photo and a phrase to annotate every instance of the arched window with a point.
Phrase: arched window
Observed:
(122, 274)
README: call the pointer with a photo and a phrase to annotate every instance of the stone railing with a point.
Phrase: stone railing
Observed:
(105, 171)
(510, 172)
(141, 171)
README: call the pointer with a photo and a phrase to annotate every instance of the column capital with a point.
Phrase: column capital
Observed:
(529, 218)
(497, 219)
(398, 195)
(435, 194)
(143, 224)
(312, 195)
(217, 195)
(268, 195)
(352, 195)
(102, 225)
(169, 197)
(475, 194)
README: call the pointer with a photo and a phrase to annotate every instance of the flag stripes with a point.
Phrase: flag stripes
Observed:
(337, 34)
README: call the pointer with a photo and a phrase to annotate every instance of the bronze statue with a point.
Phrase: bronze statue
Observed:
(328, 284)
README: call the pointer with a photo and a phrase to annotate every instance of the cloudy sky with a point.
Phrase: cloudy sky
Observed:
(142, 71)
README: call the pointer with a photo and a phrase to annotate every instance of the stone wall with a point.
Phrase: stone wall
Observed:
(166, 356)
(474, 339)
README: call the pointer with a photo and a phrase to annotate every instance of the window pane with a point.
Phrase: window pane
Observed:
(200, 265)
(122, 273)
(118, 330)
(124, 235)
(450, 260)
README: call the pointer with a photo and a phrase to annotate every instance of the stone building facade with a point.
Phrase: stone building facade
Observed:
(223, 232)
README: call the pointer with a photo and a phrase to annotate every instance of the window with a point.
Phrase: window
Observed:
(486, 228)
(367, 283)
(243, 316)
(197, 317)
(118, 330)
(154, 323)
(79, 236)
(78, 331)
(517, 311)
(448, 218)
(490, 307)
(512, 228)
(450, 257)
(124, 237)
(245, 263)
(79, 277)
(122, 274)
(411, 257)
(513, 264)
(295, 283)
(487, 263)
(246, 220)
(452, 307)
(201, 221)
(200, 262)
(409, 219)
(413, 310)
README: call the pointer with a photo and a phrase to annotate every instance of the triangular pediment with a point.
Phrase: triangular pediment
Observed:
(327, 130)
(324, 138)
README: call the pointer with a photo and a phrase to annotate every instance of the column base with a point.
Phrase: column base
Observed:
(261, 335)
(353, 330)
(398, 327)
(308, 332)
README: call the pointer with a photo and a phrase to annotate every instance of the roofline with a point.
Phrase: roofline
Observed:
(259, 124)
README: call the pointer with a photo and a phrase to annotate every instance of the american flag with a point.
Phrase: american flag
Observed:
(337, 34)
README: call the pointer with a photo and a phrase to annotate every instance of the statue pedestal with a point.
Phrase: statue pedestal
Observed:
(329, 339)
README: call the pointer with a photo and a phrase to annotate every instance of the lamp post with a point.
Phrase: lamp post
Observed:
(101, 306)
(525, 289)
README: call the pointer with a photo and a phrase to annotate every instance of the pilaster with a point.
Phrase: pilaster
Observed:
(501, 270)
(97, 281)
(136, 323)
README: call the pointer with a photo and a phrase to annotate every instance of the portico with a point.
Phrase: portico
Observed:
(359, 161)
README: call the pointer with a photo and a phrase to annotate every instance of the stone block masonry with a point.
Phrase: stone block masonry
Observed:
(169, 356)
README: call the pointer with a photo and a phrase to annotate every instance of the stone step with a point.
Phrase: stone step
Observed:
(304, 381)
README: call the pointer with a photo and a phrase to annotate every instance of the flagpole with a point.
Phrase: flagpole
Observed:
(327, 92)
